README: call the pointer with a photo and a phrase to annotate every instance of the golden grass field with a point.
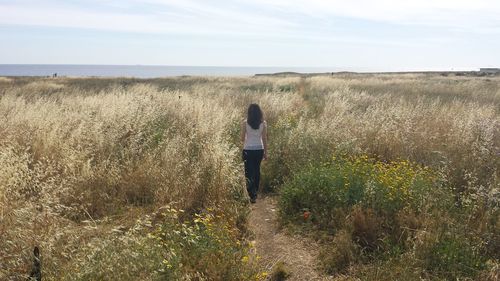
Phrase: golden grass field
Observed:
(127, 179)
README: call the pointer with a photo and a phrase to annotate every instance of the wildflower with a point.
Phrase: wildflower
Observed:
(306, 215)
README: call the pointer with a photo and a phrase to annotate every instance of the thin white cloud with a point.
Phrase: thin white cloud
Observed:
(230, 14)
(190, 18)
(449, 13)
(72, 18)
(264, 18)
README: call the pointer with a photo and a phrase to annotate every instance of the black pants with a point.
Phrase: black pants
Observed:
(252, 159)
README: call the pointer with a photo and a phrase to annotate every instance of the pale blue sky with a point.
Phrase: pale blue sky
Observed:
(355, 35)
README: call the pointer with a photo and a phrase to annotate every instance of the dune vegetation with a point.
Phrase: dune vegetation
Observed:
(397, 176)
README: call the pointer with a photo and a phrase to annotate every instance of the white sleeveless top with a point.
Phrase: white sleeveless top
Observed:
(253, 137)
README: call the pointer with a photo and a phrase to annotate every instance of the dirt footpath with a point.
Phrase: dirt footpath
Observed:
(273, 245)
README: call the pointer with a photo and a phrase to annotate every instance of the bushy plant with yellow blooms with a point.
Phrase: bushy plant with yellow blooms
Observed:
(206, 247)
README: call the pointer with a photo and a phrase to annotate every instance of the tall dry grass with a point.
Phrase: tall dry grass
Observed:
(83, 159)
(74, 166)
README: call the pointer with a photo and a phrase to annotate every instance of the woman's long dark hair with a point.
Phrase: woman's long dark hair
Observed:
(255, 116)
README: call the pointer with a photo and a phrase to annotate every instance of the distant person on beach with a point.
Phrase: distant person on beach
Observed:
(254, 139)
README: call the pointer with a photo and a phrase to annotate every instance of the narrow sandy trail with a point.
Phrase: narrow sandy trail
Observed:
(273, 245)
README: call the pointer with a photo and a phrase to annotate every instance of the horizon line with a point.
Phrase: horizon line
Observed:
(423, 69)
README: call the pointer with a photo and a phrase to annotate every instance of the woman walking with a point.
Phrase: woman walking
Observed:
(254, 138)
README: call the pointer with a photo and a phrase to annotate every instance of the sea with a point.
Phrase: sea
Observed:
(146, 71)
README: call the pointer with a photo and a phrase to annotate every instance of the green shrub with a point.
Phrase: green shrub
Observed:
(386, 214)
(344, 183)
(206, 247)
(170, 246)
(453, 255)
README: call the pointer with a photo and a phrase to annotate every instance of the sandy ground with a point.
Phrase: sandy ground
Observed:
(273, 245)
